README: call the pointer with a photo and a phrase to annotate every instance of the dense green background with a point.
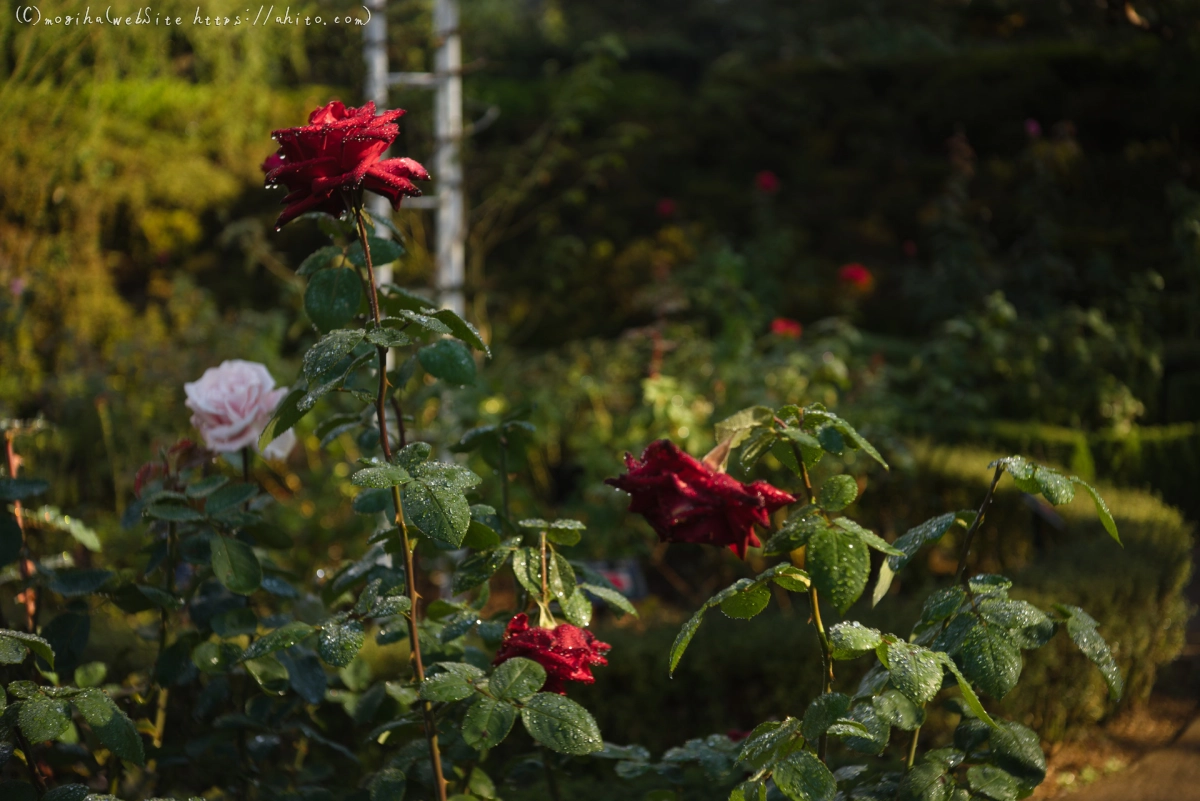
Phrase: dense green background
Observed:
(1020, 177)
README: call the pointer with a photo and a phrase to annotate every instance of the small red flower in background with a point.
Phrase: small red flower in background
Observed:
(767, 182)
(786, 327)
(684, 500)
(1033, 128)
(910, 248)
(567, 652)
(665, 208)
(857, 276)
(339, 150)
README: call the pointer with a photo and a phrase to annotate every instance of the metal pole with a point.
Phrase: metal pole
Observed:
(448, 127)
(376, 90)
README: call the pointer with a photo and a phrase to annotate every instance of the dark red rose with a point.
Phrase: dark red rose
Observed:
(857, 276)
(767, 182)
(786, 327)
(340, 150)
(567, 652)
(273, 162)
(686, 501)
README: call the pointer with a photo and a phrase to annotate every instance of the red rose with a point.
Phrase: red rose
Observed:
(785, 327)
(339, 150)
(767, 182)
(686, 501)
(856, 276)
(565, 651)
(665, 208)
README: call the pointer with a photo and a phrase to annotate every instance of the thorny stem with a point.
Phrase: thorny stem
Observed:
(912, 750)
(504, 474)
(160, 717)
(826, 659)
(26, 560)
(966, 546)
(410, 570)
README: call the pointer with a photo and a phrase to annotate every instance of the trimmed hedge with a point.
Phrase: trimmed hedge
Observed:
(737, 673)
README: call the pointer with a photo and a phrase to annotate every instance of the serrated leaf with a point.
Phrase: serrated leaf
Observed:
(747, 603)
(339, 642)
(388, 785)
(463, 330)
(332, 297)
(821, 714)
(438, 509)
(42, 718)
(968, 693)
(383, 251)
(803, 777)
(737, 427)
(837, 493)
(14, 645)
(561, 725)
(897, 709)
(517, 679)
(610, 597)
(381, 477)
(1017, 750)
(446, 687)
(867, 537)
(1106, 518)
(916, 671)
(286, 415)
(991, 660)
(839, 566)
(229, 496)
(449, 360)
(319, 258)
(110, 725)
(926, 782)
(283, 637)
(684, 638)
(487, 722)
(329, 350)
(851, 639)
(235, 565)
(993, 782)
(1083, 630)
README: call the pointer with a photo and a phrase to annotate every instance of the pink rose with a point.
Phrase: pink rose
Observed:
(231, 405)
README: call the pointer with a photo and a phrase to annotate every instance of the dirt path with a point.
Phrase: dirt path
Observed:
(1171, 773)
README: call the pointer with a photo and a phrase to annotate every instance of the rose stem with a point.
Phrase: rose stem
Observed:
(34, 773)
(410, 574)
(966, 546)
(826, 650)
(912, 750)
(503, 474)
(26, 560)
(160, 718)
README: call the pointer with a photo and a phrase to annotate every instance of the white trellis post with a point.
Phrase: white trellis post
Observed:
(446, 81)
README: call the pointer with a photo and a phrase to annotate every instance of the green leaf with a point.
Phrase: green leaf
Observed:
(74, 583)
(383, 251)
(332, 297)
(578, 609)
(229, 496)
(52, 517)
(270, 674)
(991, 660)
(216, 657)
(1029, 626)
(283, 637)
(517, 679)
(968, 692)
(174, 512)
(1017, 749)
(110, 725)
(339, 642)
(747, 603)
(897, 709)
(90, 675)
(994, 783)
(329, 350)
(463, 330)
(610, 597)
(850, 639)
(916, 671)
(810, 449)
(926, 782)
(286, 415)
(560, 578)
(837, 493)
(878, 731)
(381, 477)
(525, 565)
(388, 785)
(737, 427)
(757, 445)
(487, 722)
(395, 297)
(821, 714)
(431, 324)
(64, 792)
(908, 544)
(235, 565)
(388, 338)
(449, 360)
(438, 508)
(1083, 630)
(831, 440)
(867, 537)
(319, 259)
(446, 687)
(42, 718)
(1106, 518)
(561, 725)
(803, 777)
(1056, 487)
(14, 645)
(839, 566)
(18, 489)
